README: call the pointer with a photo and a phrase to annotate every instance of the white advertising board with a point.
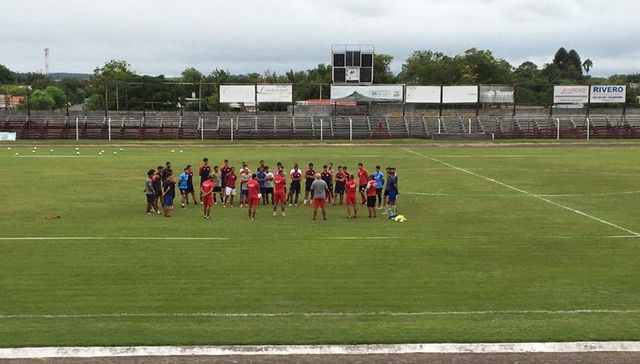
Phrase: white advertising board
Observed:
(496, 94)
(570, 94)
(7, 137)
(608, 94)
(367, 93)
(422, 95)
(237, 93)
(460, 94)
(275, 93)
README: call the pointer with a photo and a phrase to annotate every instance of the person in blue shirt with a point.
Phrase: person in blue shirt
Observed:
(392, 206)
(379, 178)
(183, 185)
(262, 179)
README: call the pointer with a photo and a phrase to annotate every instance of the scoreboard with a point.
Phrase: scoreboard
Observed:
(352, 64)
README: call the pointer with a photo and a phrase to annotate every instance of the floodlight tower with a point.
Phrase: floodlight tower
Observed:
(46, 61)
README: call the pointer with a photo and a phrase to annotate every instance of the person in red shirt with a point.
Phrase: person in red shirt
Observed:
(253, 187)
(206, 191)
(280, 192)
(230, 187)
(350, 188)
(372, 194)
(363, 177)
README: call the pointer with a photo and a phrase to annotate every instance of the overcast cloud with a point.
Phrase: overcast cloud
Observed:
(161, 36)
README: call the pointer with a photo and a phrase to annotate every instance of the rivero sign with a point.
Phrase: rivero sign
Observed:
(608, 94)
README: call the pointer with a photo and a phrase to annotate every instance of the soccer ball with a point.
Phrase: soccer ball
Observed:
(50, 150)
(35, 148)
(173, 151)
(121, 149)
(77, 148)
(33, 151)
(400, 218)
(180, 150)
(77, 153)
(115, 152)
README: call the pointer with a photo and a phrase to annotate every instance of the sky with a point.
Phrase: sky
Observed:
(165, 37)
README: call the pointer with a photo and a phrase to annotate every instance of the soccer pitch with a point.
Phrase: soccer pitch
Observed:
(502, 244)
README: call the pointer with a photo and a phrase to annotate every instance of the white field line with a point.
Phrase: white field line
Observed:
(316, 314)
(104, 238)
(526, 193)
(58, 156)
(253, 350)
(521, 195)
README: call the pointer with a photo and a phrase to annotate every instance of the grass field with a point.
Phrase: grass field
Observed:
(502, 244)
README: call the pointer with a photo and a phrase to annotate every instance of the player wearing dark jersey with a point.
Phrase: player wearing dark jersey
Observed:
(294, 188)
(204, 171)
(392, 205)
(327, 177)
(168, 194)
(341, 179)
(157, 186)
(224, 170)
(190, 189)
(309, 177)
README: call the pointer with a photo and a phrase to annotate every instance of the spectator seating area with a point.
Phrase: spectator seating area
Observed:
(604, 123)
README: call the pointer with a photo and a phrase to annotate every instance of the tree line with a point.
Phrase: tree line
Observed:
(127, 90)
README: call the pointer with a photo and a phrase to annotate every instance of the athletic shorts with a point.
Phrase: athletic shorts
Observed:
(319, 202)
(184, 191)
(253, 201)
(217, 189)
(268, 190)
(150, 198)
(371, 201)
(362, 188)
(244, 192)
(330, 187)
(386, 193)
(393, 196)
(351, 200)
(279, 198)
(230, 191)
(208, 201)
(339, 188)
(159, 194)
(190, 188)
(168, 200)
(379, 191)
(295, 186)
(307, 185)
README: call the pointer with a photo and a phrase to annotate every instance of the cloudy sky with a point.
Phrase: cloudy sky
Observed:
(161, 36)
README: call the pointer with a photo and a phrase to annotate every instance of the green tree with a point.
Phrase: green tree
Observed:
(382, 73)
(40, 100)
(57, 95)
(587, 65)
(6, 76)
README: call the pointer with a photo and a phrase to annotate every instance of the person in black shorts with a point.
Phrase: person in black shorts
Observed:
(341, 179)
(217, 185)
(327, 177)
(204, 171)
(190, 189)
(294, 188)
(267, 195)
(157, 187)
(309, 177)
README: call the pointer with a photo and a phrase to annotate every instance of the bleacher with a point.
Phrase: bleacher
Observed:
(527, 123)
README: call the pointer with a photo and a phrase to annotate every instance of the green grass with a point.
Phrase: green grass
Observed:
(469, 245)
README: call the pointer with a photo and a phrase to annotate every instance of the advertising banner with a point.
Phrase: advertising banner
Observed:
(422, 95)
(608, 94)
(275, 93)
(570, 94)
(367, 93)
(237, 93)
(496, 94)
(460, 94)
(7, 137)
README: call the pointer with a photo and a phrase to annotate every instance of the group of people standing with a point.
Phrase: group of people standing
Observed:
(377, 190)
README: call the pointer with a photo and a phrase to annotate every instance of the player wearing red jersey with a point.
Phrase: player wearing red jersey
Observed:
(280, 192)
(230, 187)
(372, 193)
(206, 190)
(253, 194)
(350, 188)
(363, 176)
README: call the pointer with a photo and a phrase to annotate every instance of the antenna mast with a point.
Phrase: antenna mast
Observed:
(46, 61)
